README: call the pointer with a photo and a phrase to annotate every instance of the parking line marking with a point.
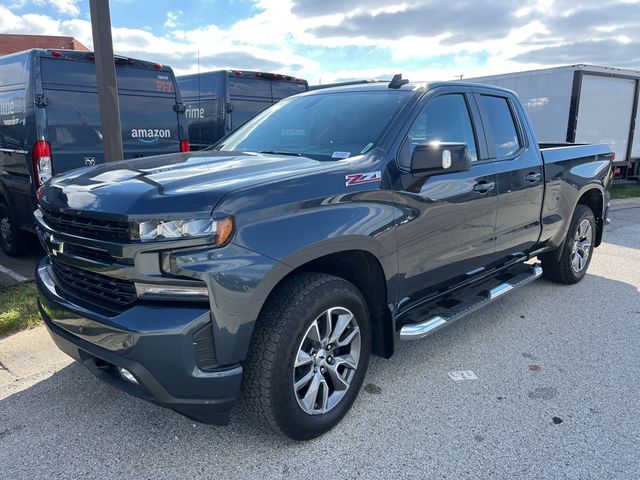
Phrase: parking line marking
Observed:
(15, 275)
(462, 375)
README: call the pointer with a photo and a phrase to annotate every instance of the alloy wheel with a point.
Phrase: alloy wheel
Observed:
(581, 246)
(326, 361)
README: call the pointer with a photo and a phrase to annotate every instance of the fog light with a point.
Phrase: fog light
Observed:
(127, 375)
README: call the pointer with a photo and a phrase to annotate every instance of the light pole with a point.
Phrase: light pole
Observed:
(106, 79)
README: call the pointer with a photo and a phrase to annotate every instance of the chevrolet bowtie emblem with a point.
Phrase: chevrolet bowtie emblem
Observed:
(56, 246)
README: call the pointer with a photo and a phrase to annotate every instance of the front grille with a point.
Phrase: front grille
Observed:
(93, 254)
(109, 293)
(86, 226)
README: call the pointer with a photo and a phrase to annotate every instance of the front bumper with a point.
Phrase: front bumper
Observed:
(154, 343)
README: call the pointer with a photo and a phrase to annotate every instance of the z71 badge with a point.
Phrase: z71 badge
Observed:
(360, 178)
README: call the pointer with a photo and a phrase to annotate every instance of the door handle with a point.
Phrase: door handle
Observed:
(533, 177)
(484, 186)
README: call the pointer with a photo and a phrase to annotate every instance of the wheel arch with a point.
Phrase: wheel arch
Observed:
(594, 198)
(364, 270)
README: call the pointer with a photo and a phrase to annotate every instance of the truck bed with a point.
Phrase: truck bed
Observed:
(560, 152)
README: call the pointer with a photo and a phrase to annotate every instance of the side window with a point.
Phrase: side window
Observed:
(503, 127)
(443, 119)
(12, 112)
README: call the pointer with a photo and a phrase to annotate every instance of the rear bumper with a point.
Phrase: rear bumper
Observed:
(154, 343)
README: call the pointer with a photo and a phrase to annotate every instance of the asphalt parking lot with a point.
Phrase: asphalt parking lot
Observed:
(556, 396)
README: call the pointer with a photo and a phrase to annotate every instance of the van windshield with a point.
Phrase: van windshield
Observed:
(332, 125)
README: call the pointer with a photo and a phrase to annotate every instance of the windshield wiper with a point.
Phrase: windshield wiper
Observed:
(281, 152)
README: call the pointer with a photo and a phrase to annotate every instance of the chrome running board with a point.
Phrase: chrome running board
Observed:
(415, 331)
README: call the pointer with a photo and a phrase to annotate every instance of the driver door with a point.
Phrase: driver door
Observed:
(447, 227)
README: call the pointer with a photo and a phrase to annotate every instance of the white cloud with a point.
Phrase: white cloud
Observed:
(17, 4)
(173, 19)
(68, 7)
(28, 23)
(285, 35)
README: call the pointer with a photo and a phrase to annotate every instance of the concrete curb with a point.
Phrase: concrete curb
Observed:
(624, 203)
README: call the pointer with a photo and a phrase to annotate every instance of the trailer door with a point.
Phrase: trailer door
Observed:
(635, 150)
(605, 112)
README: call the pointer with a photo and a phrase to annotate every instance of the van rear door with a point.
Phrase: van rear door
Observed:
(149, 120)
(251, 93)
(203, 96)
(249, 96)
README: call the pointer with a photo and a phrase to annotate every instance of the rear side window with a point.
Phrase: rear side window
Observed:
(12, 70)
(286, 89)
(204, 85)
(12, 112)
(249, 87)
(443, 119)
(500, 118)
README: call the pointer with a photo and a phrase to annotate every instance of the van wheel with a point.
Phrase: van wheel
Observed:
(576, 251)
(308, 355)
(13, 242)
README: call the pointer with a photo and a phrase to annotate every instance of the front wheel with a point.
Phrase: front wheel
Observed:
(577, 249)
(308, 355)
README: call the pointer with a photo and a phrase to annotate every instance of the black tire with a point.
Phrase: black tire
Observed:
(13, 242)
(561, 270)
(281, 330)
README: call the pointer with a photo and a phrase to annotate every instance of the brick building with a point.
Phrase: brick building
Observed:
(10, 43)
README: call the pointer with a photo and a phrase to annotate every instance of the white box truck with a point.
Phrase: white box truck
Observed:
(582, 104)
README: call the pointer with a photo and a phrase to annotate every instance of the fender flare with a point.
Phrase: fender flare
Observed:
(556, 254)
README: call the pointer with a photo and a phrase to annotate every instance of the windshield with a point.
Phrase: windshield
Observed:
(332, 125)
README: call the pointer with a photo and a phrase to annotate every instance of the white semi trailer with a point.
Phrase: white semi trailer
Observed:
(582, 104)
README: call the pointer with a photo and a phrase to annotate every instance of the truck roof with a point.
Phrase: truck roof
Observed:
(411, 86)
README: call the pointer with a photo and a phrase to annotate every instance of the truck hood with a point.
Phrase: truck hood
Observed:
(169, 185)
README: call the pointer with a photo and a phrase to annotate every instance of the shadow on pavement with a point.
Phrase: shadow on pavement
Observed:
(624, 230)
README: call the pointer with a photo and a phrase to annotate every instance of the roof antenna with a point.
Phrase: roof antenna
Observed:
(397, 81)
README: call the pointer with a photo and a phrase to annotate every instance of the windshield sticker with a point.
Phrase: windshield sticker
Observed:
(361, 178)
(366, 148)
(341, 155)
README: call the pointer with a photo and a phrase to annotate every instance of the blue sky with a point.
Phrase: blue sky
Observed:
(329, 40)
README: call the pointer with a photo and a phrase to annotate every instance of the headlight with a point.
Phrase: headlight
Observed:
(153, 230)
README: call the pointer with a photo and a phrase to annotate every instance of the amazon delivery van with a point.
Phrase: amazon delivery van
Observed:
(50, 123)
(218, 102)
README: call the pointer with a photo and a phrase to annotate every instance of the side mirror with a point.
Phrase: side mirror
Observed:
(437, 158)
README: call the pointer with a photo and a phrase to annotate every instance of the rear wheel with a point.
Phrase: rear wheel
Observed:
(13, 242)
(308, 355)
(577, 250)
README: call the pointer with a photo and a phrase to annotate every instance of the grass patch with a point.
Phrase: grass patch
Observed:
(18, 308)
(625, 191)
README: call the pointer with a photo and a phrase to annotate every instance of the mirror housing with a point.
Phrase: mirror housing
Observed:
(437, 158)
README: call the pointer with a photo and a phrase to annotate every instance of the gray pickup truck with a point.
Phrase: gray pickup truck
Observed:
(328, 228)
